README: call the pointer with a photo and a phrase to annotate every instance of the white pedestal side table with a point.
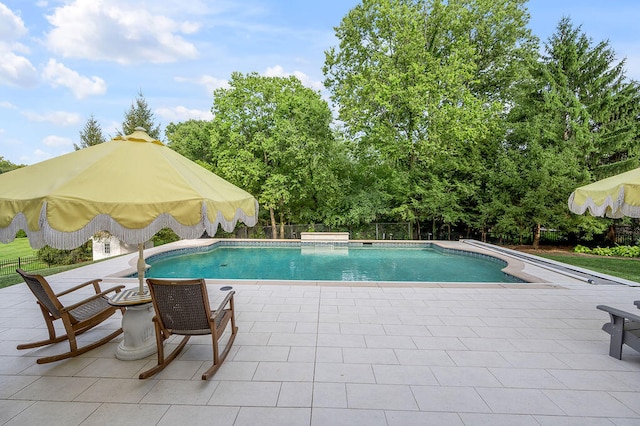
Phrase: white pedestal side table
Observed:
(137, 325)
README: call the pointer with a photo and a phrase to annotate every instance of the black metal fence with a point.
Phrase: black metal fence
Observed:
(27, 263)
(624, 235)
(373, 231)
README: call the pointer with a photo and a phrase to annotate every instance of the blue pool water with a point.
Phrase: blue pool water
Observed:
(328, 264)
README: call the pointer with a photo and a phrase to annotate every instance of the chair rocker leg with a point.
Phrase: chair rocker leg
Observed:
(78, 351)
(212, 370)
(164, 361)
(49, 341)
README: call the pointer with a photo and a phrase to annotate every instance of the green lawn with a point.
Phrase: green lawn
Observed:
(628, 269)
(17, 248)
(20, 248)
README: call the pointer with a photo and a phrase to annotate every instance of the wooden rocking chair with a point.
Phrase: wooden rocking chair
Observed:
(182, 308)
(77, 318)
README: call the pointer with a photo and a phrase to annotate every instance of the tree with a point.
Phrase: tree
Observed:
(574, 115)
(140, 115)
(90, 135)
(421, 86)
(191, 138)
(7, 166)
(271, 137)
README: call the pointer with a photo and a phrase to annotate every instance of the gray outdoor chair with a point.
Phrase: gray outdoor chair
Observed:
(182, 308)
(624, 328)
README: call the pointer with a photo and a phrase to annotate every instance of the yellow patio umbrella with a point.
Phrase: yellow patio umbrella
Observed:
(615, 197)
(131, 186)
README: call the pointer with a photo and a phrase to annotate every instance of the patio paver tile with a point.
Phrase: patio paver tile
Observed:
(454, 399)
(124, 414)
(422, 418)
(377, 396)
(295, 394)
(54, 389)
(284, 371)
(347, 417)
(54, 413)
(344, 373)
(404, 375)
(329, 395)
(589, 403)
(246, 394)
(199, 415)
(251, 416)
(518, 401)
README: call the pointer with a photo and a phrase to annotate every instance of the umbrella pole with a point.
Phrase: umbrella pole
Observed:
(141, 265)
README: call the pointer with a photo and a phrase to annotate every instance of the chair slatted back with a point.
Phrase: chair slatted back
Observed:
(181, 305)
(42, 291)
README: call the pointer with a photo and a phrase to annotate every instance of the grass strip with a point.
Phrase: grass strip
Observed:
(629, 269)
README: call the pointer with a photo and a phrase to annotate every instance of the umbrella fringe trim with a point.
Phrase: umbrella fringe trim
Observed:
(69, 240)
(8, 234)
(610, 208)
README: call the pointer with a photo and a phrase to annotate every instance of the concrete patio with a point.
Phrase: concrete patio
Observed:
(345, 354)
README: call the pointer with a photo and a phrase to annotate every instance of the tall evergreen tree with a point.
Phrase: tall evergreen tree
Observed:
(576, 114)
(140, 115)
(91, 134)
(597, 106)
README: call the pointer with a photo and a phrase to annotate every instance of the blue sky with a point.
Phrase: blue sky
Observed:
(65, 60)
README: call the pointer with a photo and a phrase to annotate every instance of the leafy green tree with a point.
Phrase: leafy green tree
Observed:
(140, 115)
(191, 138)
(574, 115)
(421, 86)
(7, 166)
(90, 135)
(271, 136)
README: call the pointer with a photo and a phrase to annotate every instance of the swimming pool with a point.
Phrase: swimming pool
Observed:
(328, 262)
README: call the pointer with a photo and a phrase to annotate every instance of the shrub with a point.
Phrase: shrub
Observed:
(620, 251)
(52, 256)
(582, 249)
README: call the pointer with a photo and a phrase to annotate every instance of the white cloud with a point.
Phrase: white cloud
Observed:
(8, 105)
(59, 75)
(120, 31)
(15, 70)
(38, 155)
(181, 113)
(61, 118)
(56, 141)
(278, 71)
(11, 25)
(209, 82)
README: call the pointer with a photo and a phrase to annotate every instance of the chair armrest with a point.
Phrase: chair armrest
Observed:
(614, 312)
(224, 302)
(89, 299)
(79, 286)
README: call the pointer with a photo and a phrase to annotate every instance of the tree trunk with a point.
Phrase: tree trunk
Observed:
(274, 226)
(536, 236)
(281, 226)
(611, 234)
